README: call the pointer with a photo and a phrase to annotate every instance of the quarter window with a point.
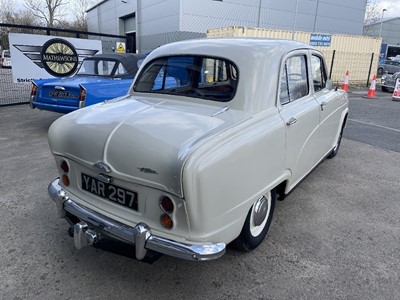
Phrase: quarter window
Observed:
(318, 73)
(294, 79)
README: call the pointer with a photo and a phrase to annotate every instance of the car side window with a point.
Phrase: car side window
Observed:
(294, 79)
(120, 70)
(104, 68)
(318, 73)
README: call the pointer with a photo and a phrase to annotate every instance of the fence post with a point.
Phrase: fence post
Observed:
(370, 68)
(333, 59)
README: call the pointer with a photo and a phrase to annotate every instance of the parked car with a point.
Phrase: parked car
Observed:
(184, 169)
(5, 59)
(388, 66)
(99, 78)
(388, 81)
(395, 58)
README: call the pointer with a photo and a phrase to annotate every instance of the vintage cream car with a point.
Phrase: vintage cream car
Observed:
(213, 131)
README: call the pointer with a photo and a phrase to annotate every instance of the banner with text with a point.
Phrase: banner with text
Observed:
(321, 40)
(43, 56)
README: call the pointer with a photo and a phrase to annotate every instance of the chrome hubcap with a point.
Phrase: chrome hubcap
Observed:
(260, 211)
(259, 214)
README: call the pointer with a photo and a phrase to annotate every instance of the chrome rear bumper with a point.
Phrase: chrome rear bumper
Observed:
(95, 226)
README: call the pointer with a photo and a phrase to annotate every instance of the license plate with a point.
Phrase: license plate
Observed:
(62, 94)
(110, 192)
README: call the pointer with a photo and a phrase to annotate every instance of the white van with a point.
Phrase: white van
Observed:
(5, 59)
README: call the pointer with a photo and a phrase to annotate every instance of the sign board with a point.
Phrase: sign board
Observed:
(321, 40)
(396, 92)
(121, 47)
(382, 54)
(43, 56)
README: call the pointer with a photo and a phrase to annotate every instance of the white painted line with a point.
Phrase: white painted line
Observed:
(379, 126)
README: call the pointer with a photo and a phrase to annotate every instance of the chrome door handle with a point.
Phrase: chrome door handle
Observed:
(323, 103)
(291, 121)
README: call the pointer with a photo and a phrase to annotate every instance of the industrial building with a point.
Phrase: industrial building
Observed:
(156, 22)
(387, 29)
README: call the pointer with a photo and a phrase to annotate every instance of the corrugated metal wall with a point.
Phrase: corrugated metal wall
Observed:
(331, 16)
(153, 41)
(390, 31)
(352, 53)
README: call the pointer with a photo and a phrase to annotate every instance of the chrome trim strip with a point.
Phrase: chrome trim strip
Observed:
(140, 236)
(221, 111)
(103, 178)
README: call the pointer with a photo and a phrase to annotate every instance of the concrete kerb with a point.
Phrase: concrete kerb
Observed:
(357, 91)
(363, 92)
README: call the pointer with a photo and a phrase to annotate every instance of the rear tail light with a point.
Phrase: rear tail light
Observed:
(34, 91)
(65, 180)
(82, 97)
(64, 166)
(166, 221)
(166, 204)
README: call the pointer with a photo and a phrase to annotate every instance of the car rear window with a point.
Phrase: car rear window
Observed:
(202, 77)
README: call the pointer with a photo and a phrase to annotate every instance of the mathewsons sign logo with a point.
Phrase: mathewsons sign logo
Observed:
(42, 56)
(59, 58)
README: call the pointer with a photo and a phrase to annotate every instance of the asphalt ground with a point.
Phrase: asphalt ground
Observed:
(337, 236)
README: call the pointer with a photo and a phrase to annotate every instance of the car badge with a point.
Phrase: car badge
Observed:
(58, 87)
(147, 170)
(102, 167)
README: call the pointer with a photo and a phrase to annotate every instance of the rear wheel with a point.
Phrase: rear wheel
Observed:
(257, 223)
(380, 71)
(335, 149)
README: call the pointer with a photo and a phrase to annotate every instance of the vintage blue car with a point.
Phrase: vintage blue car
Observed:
(100, 77)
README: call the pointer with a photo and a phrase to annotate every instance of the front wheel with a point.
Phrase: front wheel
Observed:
(257, 223)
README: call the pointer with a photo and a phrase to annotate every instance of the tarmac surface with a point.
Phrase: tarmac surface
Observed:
(337, 236)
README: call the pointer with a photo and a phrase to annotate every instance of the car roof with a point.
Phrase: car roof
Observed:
(256, 60)
(128, 60)
(231, 48)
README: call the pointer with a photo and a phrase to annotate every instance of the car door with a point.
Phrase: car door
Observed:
(390, 67)
(300, 112)
(329, 103)
(396, 66)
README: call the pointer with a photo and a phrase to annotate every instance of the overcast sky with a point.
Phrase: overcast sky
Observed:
(392, 6)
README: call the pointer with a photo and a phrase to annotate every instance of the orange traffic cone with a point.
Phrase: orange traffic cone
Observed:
(371, 92)
(345, 85)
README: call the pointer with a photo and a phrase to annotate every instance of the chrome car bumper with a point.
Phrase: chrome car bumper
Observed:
(95, 226)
